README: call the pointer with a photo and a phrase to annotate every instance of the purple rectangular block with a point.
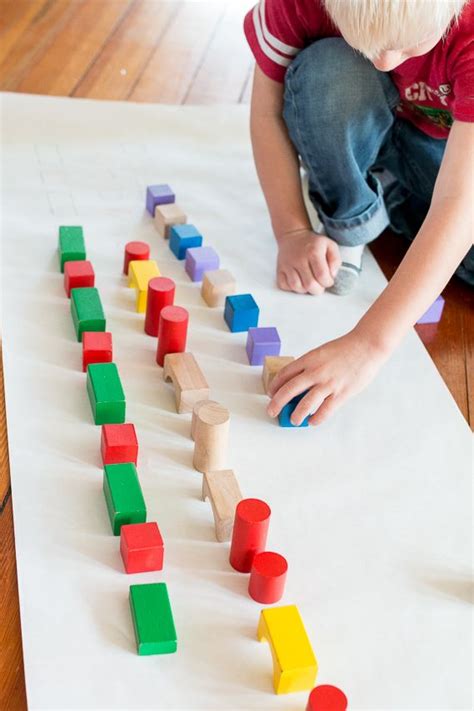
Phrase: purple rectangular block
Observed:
(262, 342)
(200, 260)
(158, 195)
(434, 313)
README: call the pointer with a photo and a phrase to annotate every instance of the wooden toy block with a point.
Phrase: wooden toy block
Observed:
(195, 416)
(96, 348)
(240, 312)
(211, 435)
(249, 536)
(189, 382)
(267, 577)
(327, 698)
(140, 272)
(105, 393)
(152, 618)
(166, 216)
(86, 310)
(119, 444)
(223, 491)
(271, 367)
(141, 547)
(216, 285)
(200, 260)
(134, 252)
(123, 495)
(71, 247)
(294, 664)
(160, 294)
(182, 238)
(287, 411)
(158, 195)
(172, 332)
(262, 342)
(434, 313)
(78, 274)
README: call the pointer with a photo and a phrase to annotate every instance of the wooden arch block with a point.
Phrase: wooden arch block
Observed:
(188, 379)
(223, 491)
(294, 664)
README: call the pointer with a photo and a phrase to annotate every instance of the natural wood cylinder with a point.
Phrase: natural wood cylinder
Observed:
(211, 435)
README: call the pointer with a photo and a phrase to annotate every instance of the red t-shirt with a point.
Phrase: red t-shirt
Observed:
(435, 88)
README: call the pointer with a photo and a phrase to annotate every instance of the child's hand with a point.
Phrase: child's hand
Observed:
(331, 374)
(307, 262)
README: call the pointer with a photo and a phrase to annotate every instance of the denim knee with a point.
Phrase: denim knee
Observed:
(329, 85)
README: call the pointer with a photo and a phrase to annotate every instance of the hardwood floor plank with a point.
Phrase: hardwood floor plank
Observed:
(14, 19)
(246, 94)
(126, 54)
(71, 53)
(171, 70)
(222, 76)
(30, 45)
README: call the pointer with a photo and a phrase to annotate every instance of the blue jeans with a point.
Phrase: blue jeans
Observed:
(341, 117)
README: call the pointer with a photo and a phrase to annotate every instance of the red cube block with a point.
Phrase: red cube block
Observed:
(96, 347)
(119, 444)
(141, 546)
(78, 274)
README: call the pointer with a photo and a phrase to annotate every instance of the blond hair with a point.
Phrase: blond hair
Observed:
(374, 26)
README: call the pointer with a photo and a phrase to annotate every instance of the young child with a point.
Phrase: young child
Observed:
(376, 99)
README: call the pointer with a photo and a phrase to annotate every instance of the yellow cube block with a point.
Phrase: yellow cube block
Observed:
(294, 664)
(139, 274)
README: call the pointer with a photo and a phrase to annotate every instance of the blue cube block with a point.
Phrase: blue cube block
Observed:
(158, 195)
(287, 411)
(240, 312)
(182, 237)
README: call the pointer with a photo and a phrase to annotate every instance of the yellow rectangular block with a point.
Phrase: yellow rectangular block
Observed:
(294, 664)
(139, 274)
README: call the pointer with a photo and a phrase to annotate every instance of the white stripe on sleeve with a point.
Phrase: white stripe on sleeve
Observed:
(264, 46)
(271, 39)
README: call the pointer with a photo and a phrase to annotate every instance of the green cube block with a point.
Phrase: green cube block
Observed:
(71, 246)
(123, 495)
(153, 622)
(106, 394)
(86, 310)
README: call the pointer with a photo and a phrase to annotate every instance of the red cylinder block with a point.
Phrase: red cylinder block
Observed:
(249, 537)
(134, 251)
(268, 577)
(160, 294)
(172, 332)
(327, 698)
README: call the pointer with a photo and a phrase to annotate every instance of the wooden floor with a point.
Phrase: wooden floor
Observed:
(170, 52)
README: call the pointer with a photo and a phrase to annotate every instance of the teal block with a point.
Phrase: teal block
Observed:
(106, 394)
(86, 310)
(71, 247)
(123, 495)
(152, 617)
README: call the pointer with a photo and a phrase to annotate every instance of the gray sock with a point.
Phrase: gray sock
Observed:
(349, 271)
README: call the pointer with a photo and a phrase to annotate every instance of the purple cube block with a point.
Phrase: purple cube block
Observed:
(262, 342)
(158, 195)
(434, 313)
(200, 260)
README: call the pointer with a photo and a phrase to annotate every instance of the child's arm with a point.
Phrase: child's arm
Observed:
(306, 262)
(341, 368)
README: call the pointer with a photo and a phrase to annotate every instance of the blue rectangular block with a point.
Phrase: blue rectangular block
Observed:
(262, 342)
(434, 313)
(241, 312)
(182, 238)
(200, 260)
(287, 411)
(158, 195)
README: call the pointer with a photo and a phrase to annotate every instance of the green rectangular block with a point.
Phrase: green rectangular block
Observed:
(86, 310)
(71, 246)
(106, 394)
(152, 617)
(123, 495)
